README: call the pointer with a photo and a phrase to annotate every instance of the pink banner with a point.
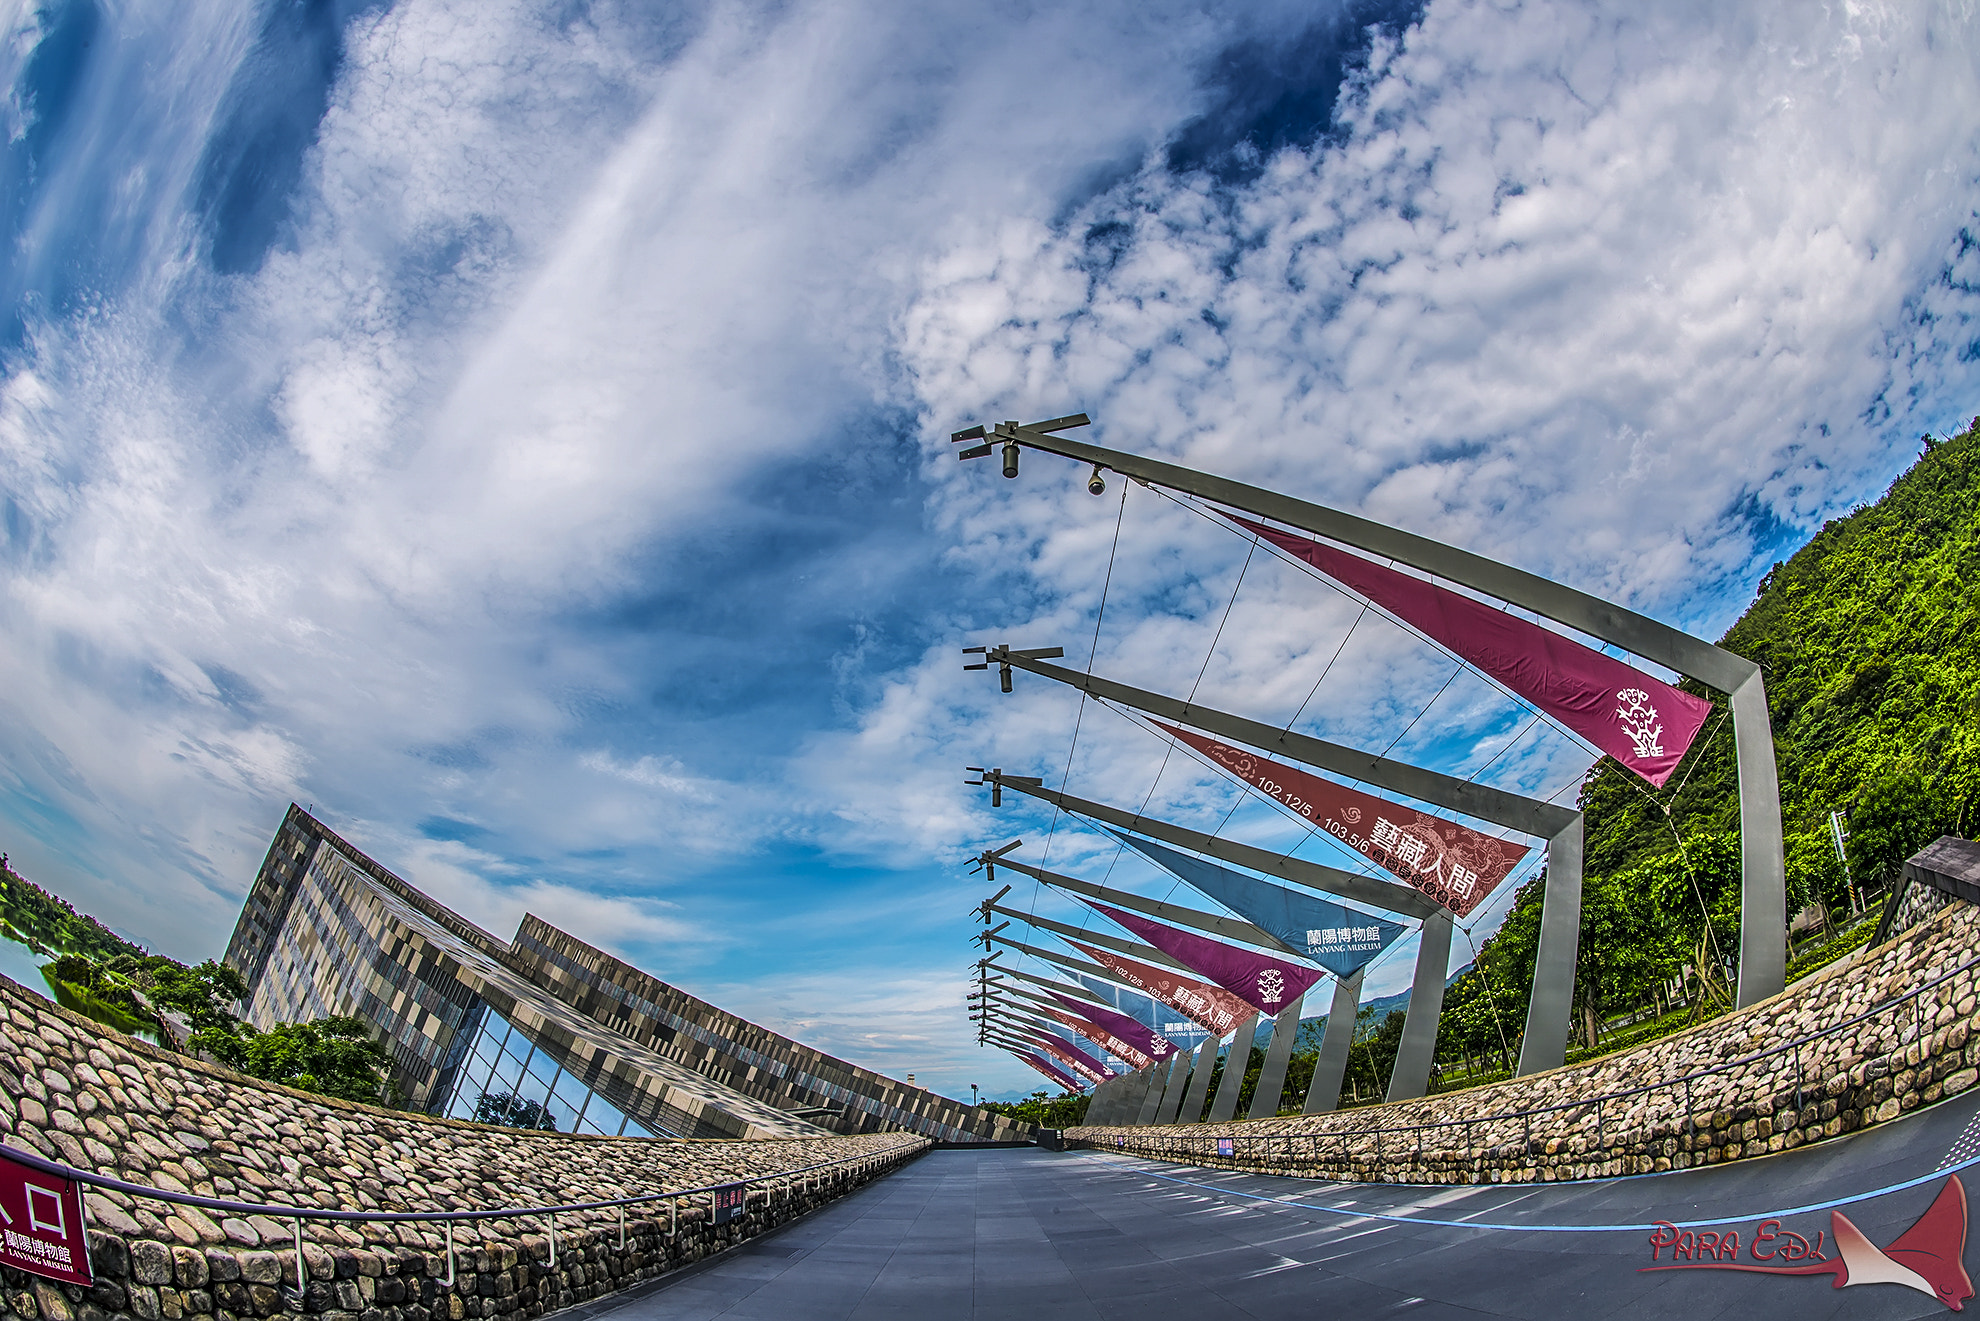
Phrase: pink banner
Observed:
(1261, 981)
(1453, 864)
(1216, 1009)
(1642, 722)
(1144, 1038)
(1076, 1059)
(1125, 1051)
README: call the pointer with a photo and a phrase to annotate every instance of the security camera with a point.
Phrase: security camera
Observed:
(1096, 484)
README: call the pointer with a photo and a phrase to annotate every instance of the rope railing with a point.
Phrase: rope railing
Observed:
(783, 1180)
(1179, 1143)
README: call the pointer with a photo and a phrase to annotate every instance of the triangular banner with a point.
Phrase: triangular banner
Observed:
(1452, 863)
(1078, 1060)
(1642, 722)
(1155, 1016)
(1149, 1042)
(1214, 1008)
(1065, 1080)
(1336, 937)
(1266, 983)
(1113, 1045)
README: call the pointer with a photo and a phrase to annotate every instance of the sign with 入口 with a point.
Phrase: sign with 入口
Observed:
(729, 1202)
(41, 1224)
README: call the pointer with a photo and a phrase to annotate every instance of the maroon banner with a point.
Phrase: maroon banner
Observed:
(1642, 722)
(1215, 1009)
(1075, 1059)
(1452, 863)
(1100, 1036)
(41, 1224)
(1065, 1080)
(1261, 981)
(1145, 1038)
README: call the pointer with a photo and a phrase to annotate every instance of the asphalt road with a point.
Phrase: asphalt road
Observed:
(1036, 1236)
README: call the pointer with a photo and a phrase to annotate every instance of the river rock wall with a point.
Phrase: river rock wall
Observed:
(74, 1092)
(1568, 1123)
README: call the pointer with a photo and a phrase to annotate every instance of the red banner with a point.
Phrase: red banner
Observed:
(1453, 864)
(1101, 1037)
(1642, 722)
(41, 1224)
(1063, 1079)
(1215, 1009)
(1076, 1059)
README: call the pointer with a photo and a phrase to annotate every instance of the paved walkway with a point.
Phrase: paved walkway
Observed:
(1037, 1236)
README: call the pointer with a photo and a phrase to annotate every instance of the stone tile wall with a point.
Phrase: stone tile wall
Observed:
(74, 1092)
(1911, 1055)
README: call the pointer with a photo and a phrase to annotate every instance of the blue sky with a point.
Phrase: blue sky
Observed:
(518, 430)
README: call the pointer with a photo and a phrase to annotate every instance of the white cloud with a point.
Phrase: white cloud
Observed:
(1593, 290)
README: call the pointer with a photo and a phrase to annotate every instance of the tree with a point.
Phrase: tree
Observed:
(333, 1056)
(512, 1111)
(1893, 817)
(1066, 1110)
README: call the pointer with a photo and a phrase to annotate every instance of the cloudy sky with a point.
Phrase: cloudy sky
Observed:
(519, 430)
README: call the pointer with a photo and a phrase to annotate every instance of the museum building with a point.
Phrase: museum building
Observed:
(543, 1031)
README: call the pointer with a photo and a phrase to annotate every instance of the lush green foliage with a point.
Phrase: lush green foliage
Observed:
(104, 977)
(512, 1111)
(33, 917)
(333, 1056)
(1869, 639)
(1066, 1110)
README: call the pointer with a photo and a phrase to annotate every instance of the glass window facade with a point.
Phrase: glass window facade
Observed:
(505, 1078)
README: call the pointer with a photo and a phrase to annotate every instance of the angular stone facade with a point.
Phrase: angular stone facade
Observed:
(1563, 1124)
(74, 1092)
(594, 1044)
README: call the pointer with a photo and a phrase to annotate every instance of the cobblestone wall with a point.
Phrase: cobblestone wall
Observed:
(74, 1092)
(1899, 1059)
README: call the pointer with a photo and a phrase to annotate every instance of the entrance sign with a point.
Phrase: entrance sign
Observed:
(1642, 722)
(1338, 938)
(1452, 863)
(729, 1202)
(41, 1224)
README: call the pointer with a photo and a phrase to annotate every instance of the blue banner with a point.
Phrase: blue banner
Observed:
(1338, 938)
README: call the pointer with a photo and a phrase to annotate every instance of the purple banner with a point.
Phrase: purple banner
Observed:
(1642, 722)
(1076, 1059)
(1065, 1080)
(1146, 1039)
(1125, 1051)
(1261, 981)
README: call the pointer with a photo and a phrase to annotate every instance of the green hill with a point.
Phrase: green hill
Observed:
(1869, 640)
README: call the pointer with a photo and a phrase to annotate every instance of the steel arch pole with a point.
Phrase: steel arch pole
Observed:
(1555, 962)
(1544, 1045)
(1278, 1055)
(1416, 1052)
(1763, 895)
(1323, 1094)
(1199, 1081)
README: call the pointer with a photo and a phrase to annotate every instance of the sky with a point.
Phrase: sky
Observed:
(517, 431)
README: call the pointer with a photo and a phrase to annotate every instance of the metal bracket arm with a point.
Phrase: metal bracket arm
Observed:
(1385, 895)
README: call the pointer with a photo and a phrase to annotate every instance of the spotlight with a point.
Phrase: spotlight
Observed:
(1010, 459)
(1096, 484)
